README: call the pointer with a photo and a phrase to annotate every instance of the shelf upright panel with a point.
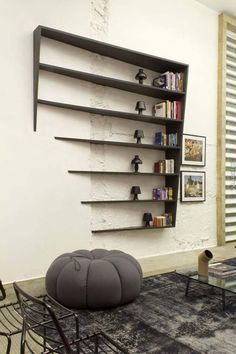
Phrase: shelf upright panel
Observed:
(36, 58)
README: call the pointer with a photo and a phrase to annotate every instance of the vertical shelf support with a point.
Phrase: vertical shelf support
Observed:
(37, 40)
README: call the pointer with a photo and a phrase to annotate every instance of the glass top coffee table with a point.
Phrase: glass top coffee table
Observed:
(225, 284)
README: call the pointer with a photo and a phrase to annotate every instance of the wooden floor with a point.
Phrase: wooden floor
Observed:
(169, 263)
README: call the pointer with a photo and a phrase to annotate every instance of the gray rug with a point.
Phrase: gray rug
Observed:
(162, 320)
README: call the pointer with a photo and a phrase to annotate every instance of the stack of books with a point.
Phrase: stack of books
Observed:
(162, 193)
(164, 166)
(221, 270)
(168, 109)
(162, 220)
(166, 139)
(170, 81)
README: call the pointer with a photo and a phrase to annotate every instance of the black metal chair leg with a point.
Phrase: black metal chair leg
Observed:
(8, 345)
(2, 292)
(96, 344)
(223, 299)
(187, 286)
(22, 341)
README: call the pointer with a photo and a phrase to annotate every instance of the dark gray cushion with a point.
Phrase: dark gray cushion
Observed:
(94, 279)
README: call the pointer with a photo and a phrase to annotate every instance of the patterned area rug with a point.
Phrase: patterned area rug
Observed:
(162, 320)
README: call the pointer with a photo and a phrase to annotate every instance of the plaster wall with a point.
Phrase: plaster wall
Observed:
(41, 215)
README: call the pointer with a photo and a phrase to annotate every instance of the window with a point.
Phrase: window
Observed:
(226, 199)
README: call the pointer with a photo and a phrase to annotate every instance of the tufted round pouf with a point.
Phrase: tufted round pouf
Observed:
(94, 279)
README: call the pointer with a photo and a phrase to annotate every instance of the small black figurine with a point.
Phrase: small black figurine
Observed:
(147, 217)
(140, 76)
(136, 162)
(135, 190)
(140, 107)
(138, 134)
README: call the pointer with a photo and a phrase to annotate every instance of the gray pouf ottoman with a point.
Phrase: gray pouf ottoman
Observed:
(94, 279)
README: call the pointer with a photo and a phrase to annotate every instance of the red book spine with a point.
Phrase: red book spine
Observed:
(157, 167)
(178, 110)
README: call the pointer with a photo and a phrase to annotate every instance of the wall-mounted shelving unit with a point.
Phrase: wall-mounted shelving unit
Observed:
(132, 228)
(128, 201)
(124, 173)
(115, 114)
(138, 59)
(119, 143)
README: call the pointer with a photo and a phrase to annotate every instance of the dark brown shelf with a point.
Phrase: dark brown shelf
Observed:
(119, 143)
(109, 50)
(146, 90)
(125, 173)
(115, 114)
(128, 201)
(131, 228)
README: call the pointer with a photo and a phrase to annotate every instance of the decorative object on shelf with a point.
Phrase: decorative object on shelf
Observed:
(193, 150)
(140, 76)
(147, 217)
(203, 260)
(193, 186)
(138, 134)
(170, 80)
(140, 107)
(135, 190)
(136, 162)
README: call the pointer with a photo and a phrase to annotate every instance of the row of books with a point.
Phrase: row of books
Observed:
(166, 139)
(221, 270)
(165, 166)
(170, 80)
(162, 193)
(162, 220)
(168, 109)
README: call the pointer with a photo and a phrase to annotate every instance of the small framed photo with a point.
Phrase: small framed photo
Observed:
(194, 150)
(193, 186)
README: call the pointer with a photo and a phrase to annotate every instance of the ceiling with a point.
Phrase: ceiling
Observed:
(226, 6)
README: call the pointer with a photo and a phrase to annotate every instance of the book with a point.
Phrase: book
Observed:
(162, 220)
(164, 166)
(222, 270)
(169, 80)
(162, 193)
(163, 80)
(159, 109)
(168, 109)
(164, 139)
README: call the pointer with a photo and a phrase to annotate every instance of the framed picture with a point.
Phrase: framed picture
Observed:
(194, 150)
(193, 186)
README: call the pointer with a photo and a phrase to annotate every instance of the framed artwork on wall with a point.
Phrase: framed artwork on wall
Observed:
(193, 150)
(193, 186)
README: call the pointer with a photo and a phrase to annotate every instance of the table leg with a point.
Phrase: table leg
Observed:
(187, 286)
(223, 299)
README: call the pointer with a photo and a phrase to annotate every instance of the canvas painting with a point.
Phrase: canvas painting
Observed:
(193, 186)
(194, 150)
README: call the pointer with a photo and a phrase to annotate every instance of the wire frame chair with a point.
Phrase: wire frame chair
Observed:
(2, 292)
(47, 328)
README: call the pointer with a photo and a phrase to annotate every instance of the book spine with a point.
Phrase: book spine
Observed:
(178, 110)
